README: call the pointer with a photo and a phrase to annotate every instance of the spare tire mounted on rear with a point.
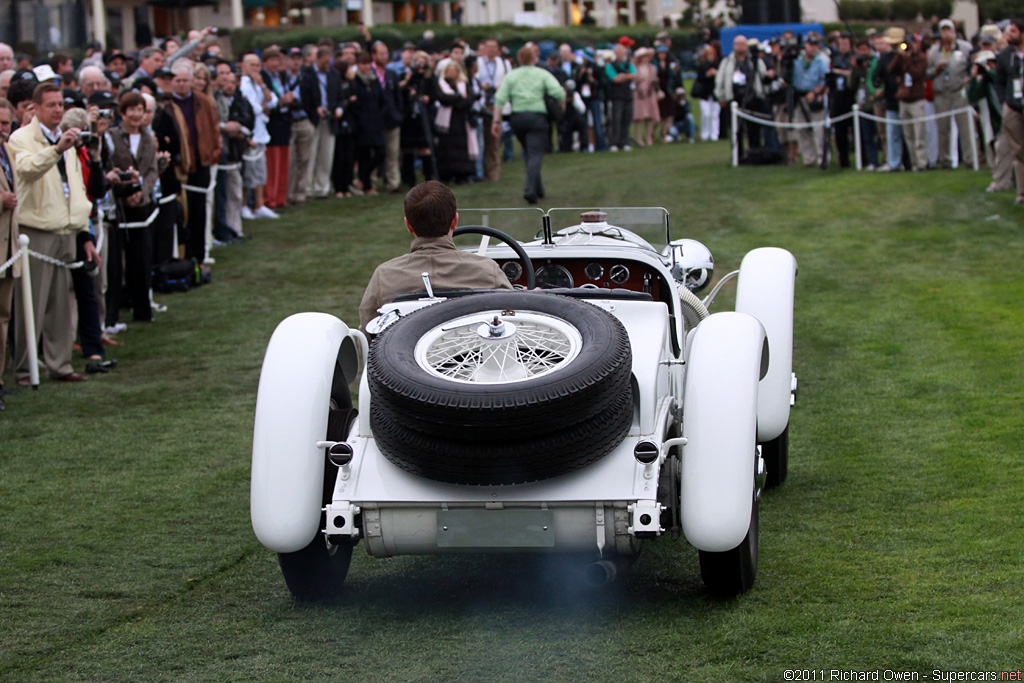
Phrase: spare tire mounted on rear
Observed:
(500, 388)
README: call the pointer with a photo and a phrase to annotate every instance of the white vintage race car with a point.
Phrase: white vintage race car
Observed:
(602, 410)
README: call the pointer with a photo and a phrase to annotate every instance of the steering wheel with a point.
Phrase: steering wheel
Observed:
(524, 258)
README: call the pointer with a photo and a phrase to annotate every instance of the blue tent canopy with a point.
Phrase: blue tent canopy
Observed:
(764, 31)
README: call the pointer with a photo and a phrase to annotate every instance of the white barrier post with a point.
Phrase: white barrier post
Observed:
(30, 315)
(733, 132)
(856, 135)
(972, 133)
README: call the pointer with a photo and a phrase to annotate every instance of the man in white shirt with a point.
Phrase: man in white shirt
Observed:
(262, 99)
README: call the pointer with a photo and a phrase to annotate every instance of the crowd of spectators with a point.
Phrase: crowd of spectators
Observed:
(166, 152)
(905, 79)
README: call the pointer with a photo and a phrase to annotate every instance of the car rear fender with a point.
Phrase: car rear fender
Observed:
(720, 425)
(292, 405)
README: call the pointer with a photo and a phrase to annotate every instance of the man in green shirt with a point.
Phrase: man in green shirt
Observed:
(525, 87)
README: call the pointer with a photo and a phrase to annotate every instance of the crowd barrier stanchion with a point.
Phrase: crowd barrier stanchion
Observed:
(856, 137)
(733, 124)
(29, 314)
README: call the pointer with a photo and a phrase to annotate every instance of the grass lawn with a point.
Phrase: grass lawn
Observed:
(126, 552)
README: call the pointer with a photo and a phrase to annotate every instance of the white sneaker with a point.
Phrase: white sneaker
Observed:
(114, 329)
(247, 213)
(159, 308)
(613, 148)
(627, 148)
(870, 167)
(590, 148)
(265, 212)
(883, 169)
(668, 138)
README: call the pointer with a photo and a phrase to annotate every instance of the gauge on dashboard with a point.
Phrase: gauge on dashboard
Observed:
(619, 274)
(513, 271)
(594, 271)
(551, 276)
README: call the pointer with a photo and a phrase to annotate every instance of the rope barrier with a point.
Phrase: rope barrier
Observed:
(760, 119)
(142, 224)
(929, 117)
(10, 262)
(55, 262)
(764, 120)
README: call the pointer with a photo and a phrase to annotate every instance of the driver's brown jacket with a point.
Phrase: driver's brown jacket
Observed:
(448, 267)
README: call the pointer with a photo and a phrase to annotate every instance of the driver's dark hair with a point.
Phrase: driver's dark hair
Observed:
(430, 209)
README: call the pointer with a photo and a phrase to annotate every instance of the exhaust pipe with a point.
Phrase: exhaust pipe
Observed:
(600, 573)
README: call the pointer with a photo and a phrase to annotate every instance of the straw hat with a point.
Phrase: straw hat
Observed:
(894, 35)
(643, 52)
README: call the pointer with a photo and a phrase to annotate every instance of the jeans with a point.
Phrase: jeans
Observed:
(868, 143)
(595, 107)
(893, 139)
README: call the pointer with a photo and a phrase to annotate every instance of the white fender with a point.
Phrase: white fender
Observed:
(286, 489)
(720, 425)
(765, 291)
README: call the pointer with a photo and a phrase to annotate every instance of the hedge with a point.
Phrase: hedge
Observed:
(394, 35)
(888, 10)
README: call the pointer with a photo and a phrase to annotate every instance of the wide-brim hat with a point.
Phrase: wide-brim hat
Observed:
(894, 35)
(643, 52)
(984, 56)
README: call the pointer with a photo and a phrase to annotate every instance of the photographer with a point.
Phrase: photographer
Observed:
(860, 82)
(809, 70)
(909, 65)
(740, 79)
(416, 141)
(842, 95)
(132, 177)
(52, 208)
(89, 283)
(949, 65)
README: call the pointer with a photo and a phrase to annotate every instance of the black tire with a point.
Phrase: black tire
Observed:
(317, 572)
(776, 459)
(507, 458)
(731, 573)
(572, 394)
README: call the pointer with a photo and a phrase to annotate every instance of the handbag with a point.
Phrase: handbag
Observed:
(555, 107)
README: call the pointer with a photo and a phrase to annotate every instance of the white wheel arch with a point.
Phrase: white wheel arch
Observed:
(765, 291)
(720, 427)
(292, 406)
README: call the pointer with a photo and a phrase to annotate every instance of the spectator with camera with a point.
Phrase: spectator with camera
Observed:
(90, 284)
(910, 64)
(132, 176)
(842, 95)
(457, 147)
(809, 71)
(740, 79)
(417, 137)
(949, 64)
(52, 208)
(864, 94)
(703, 91)
(1009, 83)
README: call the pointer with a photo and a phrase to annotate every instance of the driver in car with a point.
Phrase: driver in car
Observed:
(430, 215)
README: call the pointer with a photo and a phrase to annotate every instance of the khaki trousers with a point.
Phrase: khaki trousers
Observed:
(52, 301)
(948, 102)
(1002, 164)
(809, 140)
(1013, 124)
(392, 156)
(914, 136)
(300, 152)
(492, 152)
(6, 296)
(322, 161)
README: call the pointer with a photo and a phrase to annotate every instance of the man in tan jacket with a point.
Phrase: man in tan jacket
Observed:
(52, 207)
(8, 232)
(430, 215)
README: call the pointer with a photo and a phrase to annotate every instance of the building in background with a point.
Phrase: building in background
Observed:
(130, 24)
